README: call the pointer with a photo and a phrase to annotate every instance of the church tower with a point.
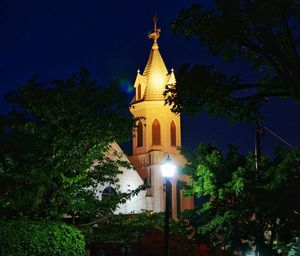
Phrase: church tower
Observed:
(158, 133)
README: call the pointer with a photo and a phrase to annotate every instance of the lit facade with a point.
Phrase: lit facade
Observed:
(158, 133)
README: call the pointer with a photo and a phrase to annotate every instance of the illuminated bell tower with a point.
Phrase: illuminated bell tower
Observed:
(158, 132)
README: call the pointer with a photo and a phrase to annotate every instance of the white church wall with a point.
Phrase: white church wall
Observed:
(129, 180)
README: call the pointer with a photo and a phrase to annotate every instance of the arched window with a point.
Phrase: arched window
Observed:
(155, 132)
(173, 134)
(107, 192)
(140, 134)
(139, 92)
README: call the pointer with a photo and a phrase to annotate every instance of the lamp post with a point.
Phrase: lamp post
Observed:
(168, 171)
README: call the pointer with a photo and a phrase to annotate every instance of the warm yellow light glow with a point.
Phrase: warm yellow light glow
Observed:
(157, 79)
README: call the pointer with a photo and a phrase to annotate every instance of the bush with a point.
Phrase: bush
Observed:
(143, 233)
(26, 237)
(128, 229)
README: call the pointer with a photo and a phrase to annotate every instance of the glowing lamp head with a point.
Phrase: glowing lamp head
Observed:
(168, 169)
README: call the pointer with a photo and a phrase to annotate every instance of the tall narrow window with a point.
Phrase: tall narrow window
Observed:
(139, 92)
(173, 134)
(140, 134)
(155, 132)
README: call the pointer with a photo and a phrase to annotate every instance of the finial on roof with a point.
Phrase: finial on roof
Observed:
(155, 19)
(172, 70)
(138, 71)
(155, 34)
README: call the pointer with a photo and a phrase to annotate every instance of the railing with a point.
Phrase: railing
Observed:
(144, 160)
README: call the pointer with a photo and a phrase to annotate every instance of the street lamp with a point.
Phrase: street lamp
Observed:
(168, 171)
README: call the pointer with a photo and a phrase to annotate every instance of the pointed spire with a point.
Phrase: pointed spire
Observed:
(155, 34)
(171, 78)
(155, 75)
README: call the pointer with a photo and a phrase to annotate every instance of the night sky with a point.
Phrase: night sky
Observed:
(53, 38)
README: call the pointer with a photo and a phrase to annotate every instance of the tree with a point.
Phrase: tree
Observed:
(243, 207)
(264, 33)
(53, 135)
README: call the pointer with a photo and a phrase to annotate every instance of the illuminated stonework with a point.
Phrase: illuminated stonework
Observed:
(149, 102)
(160, 132)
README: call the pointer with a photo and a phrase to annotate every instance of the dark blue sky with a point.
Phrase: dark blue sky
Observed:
(53, 38)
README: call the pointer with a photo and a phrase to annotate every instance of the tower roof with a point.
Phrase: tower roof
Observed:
(155, 76)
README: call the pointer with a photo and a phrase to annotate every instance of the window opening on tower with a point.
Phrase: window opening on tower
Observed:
(140, 134)
(156, 133)
(173, 134)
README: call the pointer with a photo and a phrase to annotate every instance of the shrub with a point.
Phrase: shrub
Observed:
(40, 238)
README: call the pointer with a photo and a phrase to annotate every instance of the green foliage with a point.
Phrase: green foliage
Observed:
(125, 228)
(41, 238)
(264, 34)
(245, 207)
(131, 228)
(145, 231)
(54, 133)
